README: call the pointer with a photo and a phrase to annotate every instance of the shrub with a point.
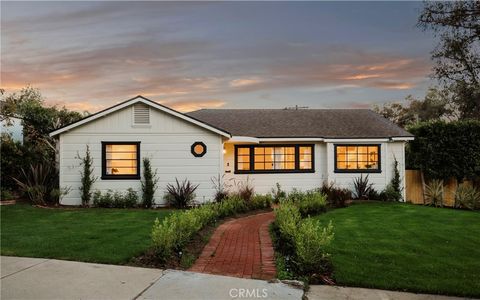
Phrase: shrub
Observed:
(181, 195)
(296, 195)
(362, 187)
(37, 182)
(396, 194)
(260, 202)
(111, 199)
(434, 193)
(246, 190)
(86, 177)
(374, 195)
(149, 184)
(312, 203)
(336, 197)
(278, 194)
(220, 189)
(311, 244)
(467, 196)
(6, 194)
(287, 218)
(389, 194)
(231, 206)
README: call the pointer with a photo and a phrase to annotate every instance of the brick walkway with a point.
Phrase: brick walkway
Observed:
(240, 248)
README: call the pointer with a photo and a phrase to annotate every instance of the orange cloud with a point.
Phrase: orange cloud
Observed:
(186, 106)
(245, 82)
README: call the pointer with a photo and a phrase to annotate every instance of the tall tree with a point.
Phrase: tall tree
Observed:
(457, 56)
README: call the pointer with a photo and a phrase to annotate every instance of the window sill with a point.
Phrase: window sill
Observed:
(358, 171)
(120, 177)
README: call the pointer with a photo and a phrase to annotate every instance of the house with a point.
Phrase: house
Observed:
(298, 148)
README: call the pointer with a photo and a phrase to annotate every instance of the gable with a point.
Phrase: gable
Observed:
(121, 117)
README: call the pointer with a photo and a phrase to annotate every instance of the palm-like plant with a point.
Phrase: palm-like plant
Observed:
(362, 187)
(181, 195)
(467, 196)
(434, 193)
(37, 182)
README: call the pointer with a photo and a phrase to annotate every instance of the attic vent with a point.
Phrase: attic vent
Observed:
(141, 114)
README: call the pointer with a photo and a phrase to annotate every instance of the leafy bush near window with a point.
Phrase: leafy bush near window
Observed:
(468, 197)
(301, 242)
(312, 203)
(111, 199)
(336, 197)
(87, 178)
(180, 195)
(434, 193)
(278, 194)
(172, 234)
(149, 184)
(362, 187)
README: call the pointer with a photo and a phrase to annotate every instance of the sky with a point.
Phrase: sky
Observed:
(192, 55)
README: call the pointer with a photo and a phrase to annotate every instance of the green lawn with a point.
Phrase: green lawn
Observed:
(406, 247)
(93, 235)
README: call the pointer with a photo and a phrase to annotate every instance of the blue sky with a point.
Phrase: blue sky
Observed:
(190, 55)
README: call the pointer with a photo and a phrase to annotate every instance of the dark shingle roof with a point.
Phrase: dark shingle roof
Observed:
(319, 123)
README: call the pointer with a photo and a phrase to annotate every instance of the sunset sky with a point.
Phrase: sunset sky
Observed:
(90, 55)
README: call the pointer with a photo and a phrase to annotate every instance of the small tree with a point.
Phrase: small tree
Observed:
(149, 184)
(87, 177)
(396, 181)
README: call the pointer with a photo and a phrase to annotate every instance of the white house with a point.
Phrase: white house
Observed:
(297, 148)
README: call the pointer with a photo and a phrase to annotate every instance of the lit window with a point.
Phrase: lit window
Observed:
(121, 160)
(357, 158)
(198, 149)
(273, 159)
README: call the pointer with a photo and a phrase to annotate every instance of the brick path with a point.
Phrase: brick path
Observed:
(240, 248)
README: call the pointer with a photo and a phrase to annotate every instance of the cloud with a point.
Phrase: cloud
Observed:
(242, 82)
(186, 106)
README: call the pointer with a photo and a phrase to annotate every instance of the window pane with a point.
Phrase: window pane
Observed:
(243, 151)
(290, 165)
(259, 166)
(243, 159)
(290, 150)
(289, 158)
(305, 165)
(121, 159)
(259, 150)
(352, 165)
(305, 150)
(341, 165)
(269, 166)
(243, 166)
(259, 158)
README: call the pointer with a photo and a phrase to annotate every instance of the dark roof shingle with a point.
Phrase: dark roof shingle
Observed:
(318, 123)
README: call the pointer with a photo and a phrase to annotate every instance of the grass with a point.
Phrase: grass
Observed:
(93, 235)
(406, 247)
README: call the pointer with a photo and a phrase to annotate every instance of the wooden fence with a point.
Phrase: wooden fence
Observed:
(414, 188)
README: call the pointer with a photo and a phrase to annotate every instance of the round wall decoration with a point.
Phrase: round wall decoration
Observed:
(199, 149)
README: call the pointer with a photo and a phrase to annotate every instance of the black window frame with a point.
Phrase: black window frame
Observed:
(252, 159)
(379, 170)
(106, 176)
(201, 154)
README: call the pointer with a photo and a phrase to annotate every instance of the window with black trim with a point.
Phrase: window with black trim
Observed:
(274, 158)
(357, 158)
(198, 149)
(120, 160)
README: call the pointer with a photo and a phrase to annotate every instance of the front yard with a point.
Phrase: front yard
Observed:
(406, 247)
(92, 235)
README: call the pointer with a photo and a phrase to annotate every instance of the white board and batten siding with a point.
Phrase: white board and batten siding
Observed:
(166, 140)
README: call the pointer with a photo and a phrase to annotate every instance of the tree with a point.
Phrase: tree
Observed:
(87, 177)
(457, 56)
(436, 105)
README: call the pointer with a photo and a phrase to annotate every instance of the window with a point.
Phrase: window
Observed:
(120, 160)
(357, 158)
(273, 158)
(198, 149)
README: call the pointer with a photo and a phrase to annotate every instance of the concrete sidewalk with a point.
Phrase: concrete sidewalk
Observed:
(33, 278)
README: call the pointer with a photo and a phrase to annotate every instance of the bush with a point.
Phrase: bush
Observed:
(396, 194)
(6, 195)
(260, 202)
(434, 193)
(149, 184)
(311, 246)
(37, 182)
(170, 236)
(362, 187)
(444, 150)
(278, 194)
(336, 197)
(181, 195)
(111, 199)
(220, 189)
(87, 178)
(312, 203)
(389, 194)
(467, 196)
(303, 243)
(246, 190)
